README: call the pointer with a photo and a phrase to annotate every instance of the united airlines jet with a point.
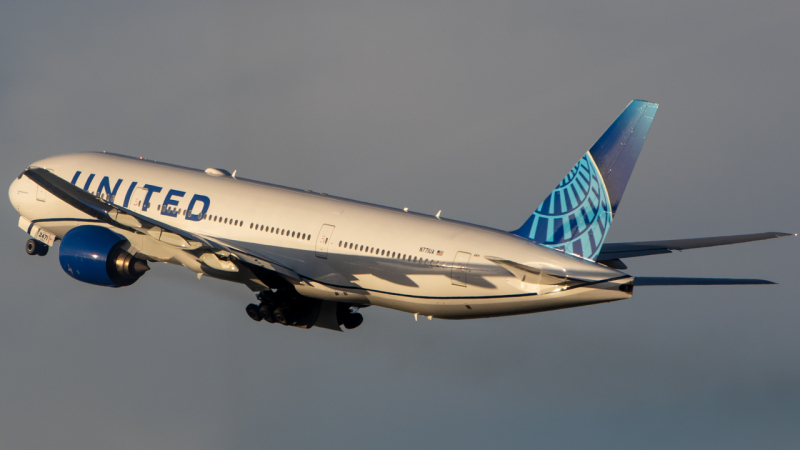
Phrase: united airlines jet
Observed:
(315, 259)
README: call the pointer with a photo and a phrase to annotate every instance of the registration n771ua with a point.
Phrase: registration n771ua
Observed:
(314, 259)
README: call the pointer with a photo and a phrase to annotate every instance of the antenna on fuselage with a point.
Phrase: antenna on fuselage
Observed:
(233, 175)
(438, 213)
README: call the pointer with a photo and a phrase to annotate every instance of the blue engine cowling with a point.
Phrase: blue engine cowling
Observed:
(94, 255)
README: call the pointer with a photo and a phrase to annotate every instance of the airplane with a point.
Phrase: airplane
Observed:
(314, 259)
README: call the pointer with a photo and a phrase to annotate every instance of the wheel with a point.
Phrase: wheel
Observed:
(43, 248)
(353, 321)
(32, 247)
(266, 313)
(279, 315)
(252, 311)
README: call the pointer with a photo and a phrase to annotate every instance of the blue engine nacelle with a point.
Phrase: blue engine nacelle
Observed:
(94, 255)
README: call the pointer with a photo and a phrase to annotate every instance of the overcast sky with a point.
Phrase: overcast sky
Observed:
(475, 108)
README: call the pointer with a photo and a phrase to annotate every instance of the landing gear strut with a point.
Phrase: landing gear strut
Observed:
(34, 247)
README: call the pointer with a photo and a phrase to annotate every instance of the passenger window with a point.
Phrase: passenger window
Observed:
(225, 221)
(292, 233)
(392, 254)
(362, 248)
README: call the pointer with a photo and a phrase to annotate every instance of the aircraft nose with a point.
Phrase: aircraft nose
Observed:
(14, 193)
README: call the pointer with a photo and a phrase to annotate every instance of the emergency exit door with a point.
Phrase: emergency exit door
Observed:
(323, 240)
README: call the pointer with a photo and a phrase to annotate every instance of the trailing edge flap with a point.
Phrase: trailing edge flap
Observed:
(671, 281)
(128, 220)
(256, 259)
(533, 275)
(633, 249)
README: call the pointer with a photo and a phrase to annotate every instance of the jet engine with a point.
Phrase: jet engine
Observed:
(95, 255)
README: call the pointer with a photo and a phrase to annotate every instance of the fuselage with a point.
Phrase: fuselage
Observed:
(344, 250)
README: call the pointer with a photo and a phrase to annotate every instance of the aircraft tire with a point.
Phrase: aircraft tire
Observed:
(31, 248)
(252, 311)
(353, 321)
(279, 316)
(34, 247)
(266, 313)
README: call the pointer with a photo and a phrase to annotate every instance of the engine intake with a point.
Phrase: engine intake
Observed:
(95, 255)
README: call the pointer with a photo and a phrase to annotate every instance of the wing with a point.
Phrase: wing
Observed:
(205, 246)
(616, 251)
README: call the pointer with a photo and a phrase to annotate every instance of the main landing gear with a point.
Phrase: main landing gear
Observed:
(289, 308)
(34, 247)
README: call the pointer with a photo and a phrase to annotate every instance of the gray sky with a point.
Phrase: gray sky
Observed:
(475, 108)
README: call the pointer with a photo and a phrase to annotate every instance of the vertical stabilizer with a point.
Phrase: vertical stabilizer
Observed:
(576, 216)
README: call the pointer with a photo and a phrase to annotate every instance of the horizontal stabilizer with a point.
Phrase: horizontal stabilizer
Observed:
(632, 249)
(672, 281)
(534, 275)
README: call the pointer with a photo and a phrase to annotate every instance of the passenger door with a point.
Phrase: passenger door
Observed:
(460, 269)
(137, 199)
(323, 240)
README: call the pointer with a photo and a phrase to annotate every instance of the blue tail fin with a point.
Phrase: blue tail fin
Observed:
(576, 216)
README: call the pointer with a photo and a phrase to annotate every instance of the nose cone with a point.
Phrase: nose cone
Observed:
(13, 194)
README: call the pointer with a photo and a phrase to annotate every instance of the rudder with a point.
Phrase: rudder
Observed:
(576, 216)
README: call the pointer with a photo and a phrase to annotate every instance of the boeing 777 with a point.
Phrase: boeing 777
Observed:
(315, 259)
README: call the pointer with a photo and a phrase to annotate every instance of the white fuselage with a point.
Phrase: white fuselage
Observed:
(344, 250)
